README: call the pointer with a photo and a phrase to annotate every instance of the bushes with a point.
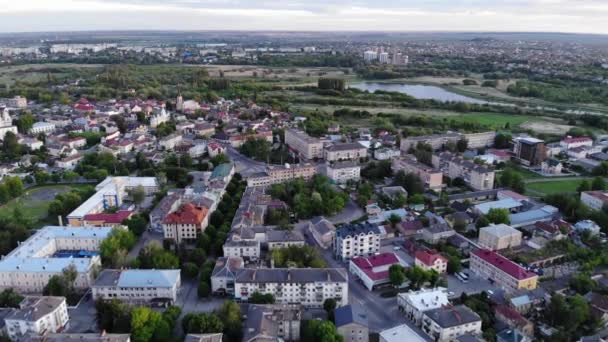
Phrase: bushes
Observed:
(297, 256)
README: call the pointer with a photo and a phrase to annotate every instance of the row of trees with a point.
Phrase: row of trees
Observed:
(416, 276)
(226, 319)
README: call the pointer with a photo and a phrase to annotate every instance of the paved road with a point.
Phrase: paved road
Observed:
(351, 212)
(244, 165)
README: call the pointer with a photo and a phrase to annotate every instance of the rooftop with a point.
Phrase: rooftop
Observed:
(32, 309)
(116, 217)
(187, 214)
(507, 203)
(376, 266)
(291, 275)
(356, 229)
(401, 333)
(349, 314)
(452, 316)
(426, 299)
(499, 230)
(138, 278)
(504, 264)
(429, 258)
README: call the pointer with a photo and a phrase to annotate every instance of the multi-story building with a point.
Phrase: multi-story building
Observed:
(17, 102)
(186, 223)
(48, 252)
(446, 324)
(224, 274)
(570, 142)
(37, 316)
(595, 200)
(272, 322)
(478, 177)
(529, 151)
(309, 287)
(436, 141)
(352, 324)
(504, 272)
(110, 194)
(385, 153)
(432, 177)
(6, 123)
(276, 174)
(370, 56)
(415, 303)
(342, 172)
(42, 127)
(480, 140)
(322, 231)
(499, 236)
(354, 240)
(373, 270)
(246, 249)
(430, 261)
(306, 146)
(400, 333)
(345, 151)
(113, 220)
(84, 337)
(137, 286)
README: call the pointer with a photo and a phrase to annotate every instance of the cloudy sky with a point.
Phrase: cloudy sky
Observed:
(589, 16)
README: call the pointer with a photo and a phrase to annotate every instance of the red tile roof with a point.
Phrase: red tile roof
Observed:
(429, 258)
(187, 214)
(367, 265)
(510, 314)
(116, 217)
(504, 264)
(575, 140)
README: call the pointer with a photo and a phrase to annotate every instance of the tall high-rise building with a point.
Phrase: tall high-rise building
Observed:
(370, 56)
(383, 58)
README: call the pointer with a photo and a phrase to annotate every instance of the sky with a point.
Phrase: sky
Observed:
(578, 16)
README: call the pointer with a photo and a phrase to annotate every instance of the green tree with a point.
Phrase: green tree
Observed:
(189, 270)
(261, 298)
(498, 216)
(598, 184)
(396, 274)
(204, 290)
(230, 314)
(144, 322)
(584, 186)
(25, 122)
(138, 194)
(153, 256)
(329, 305)
(10, 299)
(322, 331)
(136, 223)
(10, 146)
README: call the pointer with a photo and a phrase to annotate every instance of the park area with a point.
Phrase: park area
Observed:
(543, 188)
(35, 201)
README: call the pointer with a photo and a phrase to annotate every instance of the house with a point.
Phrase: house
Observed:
(553, 230)
(570, 142)
(352, 324)
(224, 274)
(414, 303)
(599, 305)
(436, 232)
(37, 316)
(373, 270)
(514, 319)
(595, 200)
(137, 286)
(385, 153)
(499, 236)
(70, 162)
(429, 260)
(447, 323)
(322, 231)
(551, 166)
(214, 149)
(587, 225)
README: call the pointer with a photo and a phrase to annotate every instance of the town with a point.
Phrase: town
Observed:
(197, 206)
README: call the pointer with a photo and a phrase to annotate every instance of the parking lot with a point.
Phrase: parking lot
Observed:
(474, 285)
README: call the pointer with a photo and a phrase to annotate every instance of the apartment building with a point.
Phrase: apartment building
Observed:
(186, 223)
(570, 142)
(224, 274)
(446, 324)
(83, 337)
(29, 267)
(385, 153)
(37, 316)
(345, 151)
(276, 174)
(414, 303)
(478, 177)
(432, 177)
(306, 146)
(110, 194)
(137, 286)
(342, 172)
(309, 287)
(353, 240)
(504, 272)
(595, 200)
(480, 140)
(246, 249)
(529, 151)
(428, 260)
(499, 236)
(436, 141)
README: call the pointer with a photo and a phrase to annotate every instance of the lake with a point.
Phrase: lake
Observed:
(419, 91)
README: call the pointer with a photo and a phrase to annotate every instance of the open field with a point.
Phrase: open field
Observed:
(555, 187)
(39, 72)
(34, 202)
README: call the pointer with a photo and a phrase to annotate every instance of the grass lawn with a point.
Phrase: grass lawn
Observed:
(34, 203)
(548, 188)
